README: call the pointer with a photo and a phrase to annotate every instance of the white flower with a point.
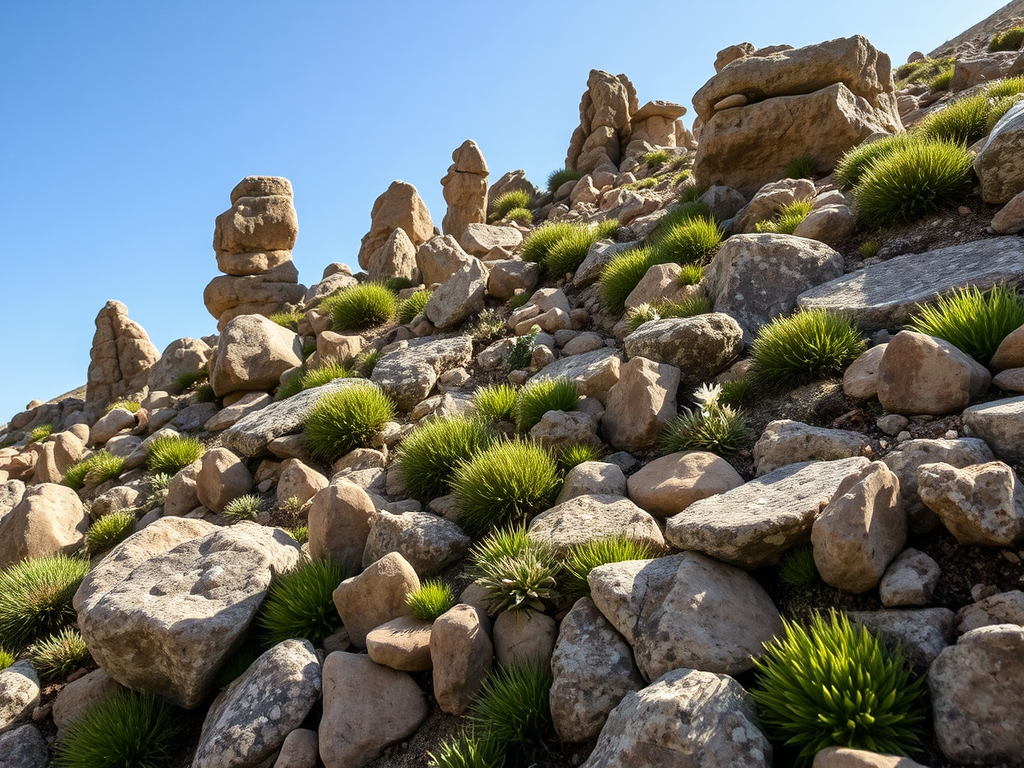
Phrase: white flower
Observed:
(707, 394)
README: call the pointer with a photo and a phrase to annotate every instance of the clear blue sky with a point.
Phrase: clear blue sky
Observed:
(124, 126)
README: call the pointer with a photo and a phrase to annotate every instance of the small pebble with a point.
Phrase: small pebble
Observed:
(981, 591)
(903, 436)
(1011, 556)
(950, 434)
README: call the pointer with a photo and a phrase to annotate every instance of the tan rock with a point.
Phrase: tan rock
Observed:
(439, 258)
(182, 493)
(121, 356)
(180, 356)
(252, 354)
(980, 505)
(1010, 352)
(222, 477)
(337, 346)
(110, 424)
(257, 223)
(462, 654)
(402, 644)
(659, 286)
(375, 596)
(256, 263)
(396, 258)
(399, 206)
(860, 380)
(843, 757)
(524, 635)
(588, 517)
(1010, 380)
(1010, 218)
(339, 524)
(301, 749)
(999, 165)
(670, 484)
(77, 696)
(465, 189)
(770, 200)
(920, 374)
(487, 241)
(229, 296)
(507, 276)
(604, 128)
(640, 404)
(789, 442)
(49, 519)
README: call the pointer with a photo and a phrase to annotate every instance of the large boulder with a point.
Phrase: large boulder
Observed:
(339, 523)
(24, 747)
(700, 347)
(375, 596)
(603, 132)
(396, 258)
(981, 505)
(399, 206)
(179, 357)
(465, 189)
(595, 373)
(461, 296)
(222, 477)
(999, 164)
(462, 655)
(408, 374)
(640, 404)
(1000, 423)
(120, 358)
(49, 519)
(789, 442)
(252, 354)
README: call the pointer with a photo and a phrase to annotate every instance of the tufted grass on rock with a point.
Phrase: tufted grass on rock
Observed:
(795, 350)
(40, 433)
(803, 167)
(245, 507)
(289, 320)
(173, 453)
(573, 455)
(300, 533)
(35, 597)
(97, 468)
(583, 558)
(1009, 40)
(974, 321)
(962, 121)
(326, 372)
(922, 71)
(835, 684)
(132, 406)
(510, 201)
(129, 729)
(56, 656)
(561, 246)
(431, 600)
(1008, 86)
(346, 419)
(735, 392)
(855, 162)
(427, 455)
(515, 570)
(713, 427)
(505, 484)
(654, 158)
(520, 216)
(941, 81)
(559, 177)
(566, 254)
(536, 399)
(360, 306)
(622, 274)
(495, 402)
(189, 379)
(300, 604)
(408, 308)
(537, 244)
(797, 570)
(787, 220)
(467, 750)
(109, 531)
(512, 707)
(693, 241)
(6, 659)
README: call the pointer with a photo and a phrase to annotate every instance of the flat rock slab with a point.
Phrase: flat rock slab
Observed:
(884, 295)
(409, 374)
(594, 516)
(751, 526)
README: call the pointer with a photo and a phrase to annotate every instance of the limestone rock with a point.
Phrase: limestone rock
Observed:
(254, 263)
(228, 296)
(461, 296)
(604, 122)
(489, 242)
(701, 347)
(999, 165)
(376, 595)
(48, 520)
(600, 253)
(789, 442)
(297, 481)
(301, 749)
(428, 542)
(19, 693)
(640, 404)
(226, 417)
(909, 580)
(513, 181)
(409, 373)
(121, 356)
(339, 523)
(1000, 423)
(23, 747)
(75, 698)
(1000, 608)
(669, 485)
(1009, 220)
(980, 505)
(252, 354)
(465, 189)
(400, 206)
(222, 478)
(594, 373)
(770, 200)
(922, 633)
(843, 757)
(182, 493)
(258, 222)
(439, 258)
(829, 224)
(179, 357)
(659, 285)
(507, 276)
(589, 517)
(860, 379)
(559, 429)
(461, 652)
(524, 635)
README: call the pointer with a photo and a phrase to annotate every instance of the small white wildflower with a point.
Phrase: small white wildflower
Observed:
(707, 394)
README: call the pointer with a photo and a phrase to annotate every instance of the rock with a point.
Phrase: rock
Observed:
(604, 122)
(297, 481)
(860, 380)
(884, 295)
(339, 524)
(465, 189)
(592, 669)
(459, 297)
(843, 757)
(329, 286)
(1001, 608)
(301, 749)
(48, 520)
(166, 624)
(659, 285)
(408, 374)
(977, 689)
(461, 651)
(396, 258)
(489, 242)
(998, 164)
(440, 258)
(829, 224)
(1000, 423)
(23, 747)
(513, 181)
(921, 374)
(594, 373)
(226, 297)
(121, 356)
(260, 221)
(110, 424)
(375, 596)
(861, 530)
(640, 404)
(249, 721)
(592, 477)
(756, 278)
(670, 484)
(686, 610)
(252, 354)
(114, 500)
(582, 343)
(685, 717)
(752, 525)
(222, 478)
(701, 347)
(255, 263)
(559, 429)
(400, 206)
(182, 493)
(507, 276)
(600, 253)
(921, 633)
(789, 442)
(585, 518)
(1010, 218)
(19, 693)
(723, 202)
(429, 543)
(770, 200)
(75, 698)
(402, 644)
(179, 357)
(909, 580)
(226, 417)
(195, 416)
(1010, 380)
(980, 505)
(11, 494)
(524, 635)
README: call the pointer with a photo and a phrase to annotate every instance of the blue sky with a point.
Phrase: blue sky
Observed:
(124, 126)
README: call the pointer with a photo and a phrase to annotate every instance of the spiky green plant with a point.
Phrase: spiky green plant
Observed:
(346, 419)
(291, 386)
(299, 533)
(512, 707)
(537, 244)
(869, 249)
(808, 345)
(691, 306)
(1008, 86)
(521, 354)
(300, 604)
(360, 306)
(129, 729)
(488, 327)
(518, 299)
(680, 177)
(622, 274)
(6, 659)
(94, 469)
(495, 402)
(467, 750)
(797, 570)
(834, 684)
(605, 230)
(189, 379)
(566, 254)
(974, 321)
(412, 306)
(537, 398)
(692, 241)
(40, 433)
(640, 314)
(326, 372)
(854, 163)
(399, 283)
(505, 484)
(786, 221)
(562, 175)
(923, 70)
(366, 361)
(172, 453)
(691, 274)
(35, 597)
(803, 167)
(289, 320)
(520, 216)
(735, 392)
(715, 428)
(245, 507)
(583, 558)
(132, 406)
(56, 656)
(204, 393)
(1009, 40)
(510, 201)
(655, 158)
(963, 121)
(573, 455)
(109, 531)
(432, 599)
(649, 183)
(427, 455)
(515, 570)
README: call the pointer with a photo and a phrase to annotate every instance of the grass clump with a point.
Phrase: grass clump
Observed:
(60, 654)
(561, 246)
(649, 183)
(573, 455)
(204, 393)
(515, 571)
(35, 597)
(6, 659)
(245, 507)
(787, 220)
(942, 80)
(289, 320)
(521, 354)
(467, 750)
(1010, 40)
(923, 70)
(655, 158)
(584, 558)
(300, 533)
(495, 402)
(854, 163)
(431, 600)
(711, 426)
(797, 570)
(427, 455)
(562, 175)
(536, 399)
(365, 362)
(963, 121)
(95, 469)
(172, 453)
(566, 254)
(189, 379)
(109, 531)
(346, 419)
(974, 321)
(691, 306)
(40, 433)
(398, 283)
(680, 177)
(803, 167)
(360, 307)
(505, 484)
(791, 351)
(328, 371)
(512, 707)
(692, 241)
(520, 216)
(1008, 86)
(488, 327)
(407, 309)
(129, 729)
(835, 684)
(131, 406)
(299, 604)
(869, 249)
(735, 392)
(510, 201)
(622, 274)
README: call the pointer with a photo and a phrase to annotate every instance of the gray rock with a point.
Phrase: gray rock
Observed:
(592, 477)
(751, 526)
(789, 442)
(439, 258)
(999, 423)
(922, 633)
(11, 494)
(194, 417)
(600, 253)
(980, 505)
(19, 693)
(508, 275)
(884, 295)
(594, 373)
(1001, 608)
(408, 374)
(684, 718)
(428, 542)
(589, 517)
(461, 296)
(23, 747)
(910, 580)
(701, 347)
(999, 165)
(723, 202)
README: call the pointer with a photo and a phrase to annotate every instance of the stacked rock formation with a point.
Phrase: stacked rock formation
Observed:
(253, 240)
(399, 207)
(465, 189)
(120, 358)
(766, 108)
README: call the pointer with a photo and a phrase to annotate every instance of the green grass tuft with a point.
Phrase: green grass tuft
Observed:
(408, 308)
(787, 220)
(520, 216)
(584, 558)
(289, 320)
(855, 162)
(300, 604)
(109, 531)
(40, 433)
(95, 469)
(346, 419)
(803, 167)
(189, 379)
(510, 201)
(795, 350)
(467, 750)
(711, 426)
(512, 707)
(427, 455)
(495, 402)
(171, 454)
(396, 284)
(655, 158)
(561, 246)
(431, 600)
(204, 393)
(735, 392)
(6, 659)
(562, 175)
(975, 322)
(869, 249)
(963, 121)
(521, 354)
(622, 274)
(534, 400)
(1008, 86)
(245, 507)
(515, 571)
(489, 326)
(942, 80)
(1010, 40)
(299, 533)
(691, 241)
(57, 656)
(360, 306)
(131, 406)
(566, 254)
(923, 71)
(35, 598)
(649, 183)
(797, 570)
(573, 455)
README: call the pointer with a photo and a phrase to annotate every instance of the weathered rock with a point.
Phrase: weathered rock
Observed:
(640, 404)
(260, 221)
(1000, 424)
(860, 380)
(376, 595)
(459, 297)
(513, 181)
(117, 498)
(249, 721)
(330, 285)
(232, 414)
(559, 429)
(999, 165)
(23, 747)
(884, 295)
(354, 728)
(668, 485)
(465, 189)
(166, 625)
(755, 278)
(399, 206)
(194, 417)
(402, 644)
(182, 493)
(396, 258)
(921, 633)
(489, 242)
(461, 651)
(75, 698)
(19, 693)
(254, 263)
(829, 224)
(429, 543)
(439, 258)
(604, 122)
(770, 200)
(297, 481)
(977, 689)
(980, 505)
(592, 477)
(252, 354)
(409, 373)
(600, 253)
(701, 347)
(1009, 220)
(523, 636)
(48, 520)
(11, 494)
(301, 749)
(339, 524)
(594, 373)
(752, 525)
(228, 296)
(179, 357)
(655, 605)
(1000, 608)
(843, 757)
(789, 442)
(659, 285)
(110, 424)
(589, 517)
(684, 718)
(507, 276)
(121, 356)
(222, 477)
(723, 202)
(909, 580)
